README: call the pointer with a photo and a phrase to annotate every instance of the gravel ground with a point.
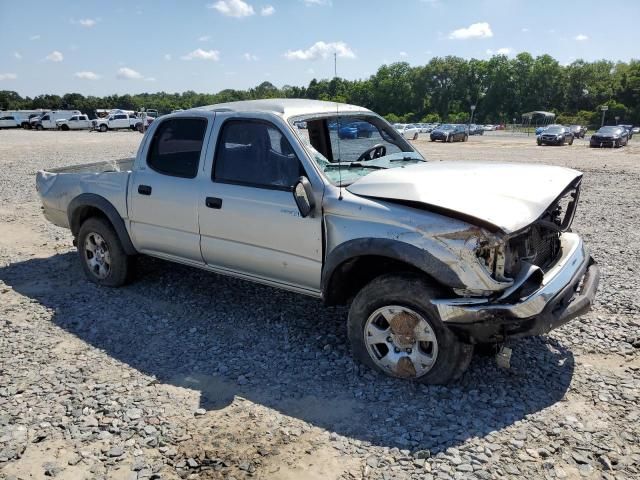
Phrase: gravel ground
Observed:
(186, 374)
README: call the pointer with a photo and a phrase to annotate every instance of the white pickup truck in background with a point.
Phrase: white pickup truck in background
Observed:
(49, 119)
(117, 121)
(76, 122)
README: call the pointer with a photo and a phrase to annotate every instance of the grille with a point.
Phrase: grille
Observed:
(539, 246)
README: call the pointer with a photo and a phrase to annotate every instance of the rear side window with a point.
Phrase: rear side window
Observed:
(176, 146)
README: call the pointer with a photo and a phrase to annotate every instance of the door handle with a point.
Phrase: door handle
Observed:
(213, 202)
(144, 189)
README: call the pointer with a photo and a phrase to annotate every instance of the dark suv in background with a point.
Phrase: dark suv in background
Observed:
(450, 133)
(610, 136)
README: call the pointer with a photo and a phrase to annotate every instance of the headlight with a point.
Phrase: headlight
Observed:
(491, 257)
(616, 137)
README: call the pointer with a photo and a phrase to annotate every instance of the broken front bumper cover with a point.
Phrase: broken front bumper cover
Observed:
(567, 291)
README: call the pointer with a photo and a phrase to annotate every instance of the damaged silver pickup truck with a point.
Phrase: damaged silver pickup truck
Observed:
(330, 201)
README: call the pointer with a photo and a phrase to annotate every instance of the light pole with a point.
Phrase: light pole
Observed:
(473, 108)
(604, 108)
(617, 118)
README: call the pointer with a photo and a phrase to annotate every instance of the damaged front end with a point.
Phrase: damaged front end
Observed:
(551, 277)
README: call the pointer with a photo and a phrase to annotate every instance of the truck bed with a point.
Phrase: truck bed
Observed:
(121, 165)
(59, 186)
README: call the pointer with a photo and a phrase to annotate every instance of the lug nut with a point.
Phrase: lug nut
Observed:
(409, 351)
(389, 340)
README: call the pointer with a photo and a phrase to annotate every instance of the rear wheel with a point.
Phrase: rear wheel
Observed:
(394, 328)
(103, 259)
(103, 128)
(415, 136)
(571, 141)
(64, 127)
(39, 127)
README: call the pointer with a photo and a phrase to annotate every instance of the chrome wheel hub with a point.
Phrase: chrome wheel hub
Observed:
(97, 256)
(401, 341)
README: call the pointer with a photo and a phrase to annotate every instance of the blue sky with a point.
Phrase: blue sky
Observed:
(133, 46)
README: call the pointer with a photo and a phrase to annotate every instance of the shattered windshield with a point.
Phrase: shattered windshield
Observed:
(348, 147)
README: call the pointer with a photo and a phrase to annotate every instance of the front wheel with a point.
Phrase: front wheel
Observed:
(39, 127)
(415, 136)
(393, 328)
(103, 259)
(571, 141)
(103, 128)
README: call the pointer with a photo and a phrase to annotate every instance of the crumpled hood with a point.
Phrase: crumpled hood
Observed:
(508, 195)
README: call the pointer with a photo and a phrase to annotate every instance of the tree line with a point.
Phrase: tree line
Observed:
(444, 89)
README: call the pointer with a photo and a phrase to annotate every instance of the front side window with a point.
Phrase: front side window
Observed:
(255, 153)
(121, 117)
(176, 146)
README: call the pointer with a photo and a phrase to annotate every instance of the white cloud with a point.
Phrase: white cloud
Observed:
(87, 22)
(87, 75)
(167, 56)
(8, 76)
(581, 37)
(267, 11)
(55, 56)
(17, 55)
(403, 54)
(500, 51)
(311, 3)
(525, 30)
(204, 38)
(34, 37)
(249, 57)
(200, 54)
(476, 30)
(126, 73)
(233, 8)
(321, 50)
(150, 79)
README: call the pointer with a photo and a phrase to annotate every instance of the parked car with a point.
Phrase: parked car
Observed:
(450, 133)
(555, 135)
(76, 122)
(348, 131)
(610, 136)
(635, 130)
(476, 129)
(629, 129)
(489, 128)
(432, 257)
(578, 131)
(49, 119)
(539, 130)
(117, 121)
(409, 131)
(9, 121)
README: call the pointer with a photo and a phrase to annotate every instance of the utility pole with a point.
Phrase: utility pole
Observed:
(604, 109)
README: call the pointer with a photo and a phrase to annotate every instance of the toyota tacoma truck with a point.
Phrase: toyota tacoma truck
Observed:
(433, 258)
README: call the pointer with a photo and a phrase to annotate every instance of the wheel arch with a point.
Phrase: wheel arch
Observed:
(353, 264)
(87, 205)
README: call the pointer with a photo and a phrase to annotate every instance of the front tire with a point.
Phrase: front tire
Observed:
(103, 128)
(64, 128)
(102, 256)
(394, 329)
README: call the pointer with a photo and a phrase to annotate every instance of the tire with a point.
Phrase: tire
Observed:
(571, 141)
(415, 136)
(409, 294)
(64, 128)
(39, 127)
(103, 128)
(101, 255)
(539, 143)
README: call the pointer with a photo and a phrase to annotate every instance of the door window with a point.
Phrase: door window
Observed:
(255, 153)
(176, 146)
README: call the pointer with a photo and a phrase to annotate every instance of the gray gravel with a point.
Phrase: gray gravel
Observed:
(186, 374)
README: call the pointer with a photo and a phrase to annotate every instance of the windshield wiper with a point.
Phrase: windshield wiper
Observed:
(356, 165)
(407, 159)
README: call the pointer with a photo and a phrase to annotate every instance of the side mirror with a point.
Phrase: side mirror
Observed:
(303, 195)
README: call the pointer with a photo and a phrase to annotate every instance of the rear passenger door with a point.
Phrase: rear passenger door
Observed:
(249, 221)
(163, 193)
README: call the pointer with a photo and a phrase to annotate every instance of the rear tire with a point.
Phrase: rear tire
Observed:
(571, 141)
(103, 128)
(415, 136)
(409, 295)
(39, 127)
(64, 128)
(101, 254)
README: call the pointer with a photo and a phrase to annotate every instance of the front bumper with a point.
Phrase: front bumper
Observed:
(567, 291)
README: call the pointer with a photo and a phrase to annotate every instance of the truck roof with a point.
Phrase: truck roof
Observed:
(287, 107)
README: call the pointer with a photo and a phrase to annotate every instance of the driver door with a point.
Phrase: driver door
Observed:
(249, 221)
